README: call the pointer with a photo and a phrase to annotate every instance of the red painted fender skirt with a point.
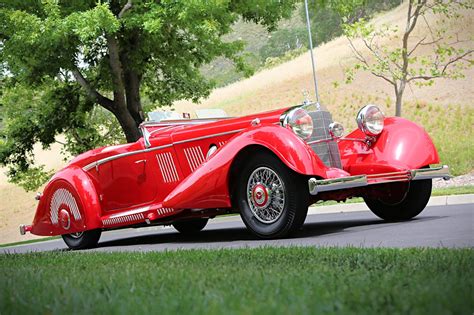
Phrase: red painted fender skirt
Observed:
(208, 185)
(402, 145)
(61, 208)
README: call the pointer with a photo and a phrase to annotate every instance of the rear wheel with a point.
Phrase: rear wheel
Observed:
(190, 226)
(415, 200)
(273, 200)
(82, 240)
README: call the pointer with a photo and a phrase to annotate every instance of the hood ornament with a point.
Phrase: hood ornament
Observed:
(307, 102)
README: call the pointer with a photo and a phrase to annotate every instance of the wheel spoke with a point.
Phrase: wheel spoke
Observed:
(266, 195)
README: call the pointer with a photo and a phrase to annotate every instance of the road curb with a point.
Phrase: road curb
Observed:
(352, 207)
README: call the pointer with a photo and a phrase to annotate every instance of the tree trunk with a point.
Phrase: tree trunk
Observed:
(399, 96)
(128, 124)
(127, 100)
(132, 91)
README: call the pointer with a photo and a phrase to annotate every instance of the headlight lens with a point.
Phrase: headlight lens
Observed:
(370, 120)
(300, 122)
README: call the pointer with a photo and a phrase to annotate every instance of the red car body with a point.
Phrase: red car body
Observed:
(168, 177)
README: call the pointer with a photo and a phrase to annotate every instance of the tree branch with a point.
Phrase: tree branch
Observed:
(416, 46)
(379, 75)
(361, 58)
(91, 92)
(443, 71)
(125, 8)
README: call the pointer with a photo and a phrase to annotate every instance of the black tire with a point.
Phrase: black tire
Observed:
(190, 226)
(416, 199)
(289, 215)
(83, 240)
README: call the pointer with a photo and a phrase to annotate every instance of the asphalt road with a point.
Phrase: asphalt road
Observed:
(437, 226)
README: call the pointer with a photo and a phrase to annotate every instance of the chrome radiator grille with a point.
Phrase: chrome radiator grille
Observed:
(328, 151)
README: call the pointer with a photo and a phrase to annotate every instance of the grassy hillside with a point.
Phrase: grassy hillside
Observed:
(262, 47)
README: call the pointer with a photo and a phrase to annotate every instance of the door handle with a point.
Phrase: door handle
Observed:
(140, 161)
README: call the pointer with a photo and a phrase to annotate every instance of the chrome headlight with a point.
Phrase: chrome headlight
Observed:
(370, 120)
(300, 122)
(336, 130)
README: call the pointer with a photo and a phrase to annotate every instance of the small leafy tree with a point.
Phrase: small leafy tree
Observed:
(443, 56)
(59, 60)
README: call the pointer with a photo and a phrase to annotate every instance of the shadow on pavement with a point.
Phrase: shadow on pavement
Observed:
(230, 234)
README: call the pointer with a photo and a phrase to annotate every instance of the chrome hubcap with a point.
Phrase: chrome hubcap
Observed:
(65, 219)
(265, 195)
(76, 235)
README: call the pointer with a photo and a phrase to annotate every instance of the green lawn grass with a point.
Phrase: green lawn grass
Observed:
(242, 281)
(446, 191)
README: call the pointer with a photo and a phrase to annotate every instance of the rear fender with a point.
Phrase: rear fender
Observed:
(208, 186)
(69, 204)
(402, 145)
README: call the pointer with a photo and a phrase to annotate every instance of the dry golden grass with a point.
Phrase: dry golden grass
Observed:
(17, 206)
(282, 86)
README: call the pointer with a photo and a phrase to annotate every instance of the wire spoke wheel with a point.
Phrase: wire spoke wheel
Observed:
(266, 195)
(271, 198)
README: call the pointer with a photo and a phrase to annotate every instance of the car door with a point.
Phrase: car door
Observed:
(126, 182)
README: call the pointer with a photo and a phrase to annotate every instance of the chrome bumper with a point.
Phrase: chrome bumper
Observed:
(316, 186)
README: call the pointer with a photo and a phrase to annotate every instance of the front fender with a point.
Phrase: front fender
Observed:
(207, 186)
(403, 145)
(70, 190)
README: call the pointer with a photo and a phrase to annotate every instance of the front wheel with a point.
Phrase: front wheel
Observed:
(273, 200)
(416, 199)
(82, 240)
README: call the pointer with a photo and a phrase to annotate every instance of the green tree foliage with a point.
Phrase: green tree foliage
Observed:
(327, 20)
(61, 59)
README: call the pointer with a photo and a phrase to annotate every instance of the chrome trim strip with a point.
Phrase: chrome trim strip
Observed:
(316, 186)
(209, 136)
(354, 139)
(123, 219)
(120, 155)
(164, 173)
(90, 166)
(188, 158)
(169, 166)
(178, 122)
(321, 140)
(130, 212)
(194, 158)
(173, 167)
(163, 211)
(426, 173)
(200, 155)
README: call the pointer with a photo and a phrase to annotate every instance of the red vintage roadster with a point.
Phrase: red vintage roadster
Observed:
(268, 167)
